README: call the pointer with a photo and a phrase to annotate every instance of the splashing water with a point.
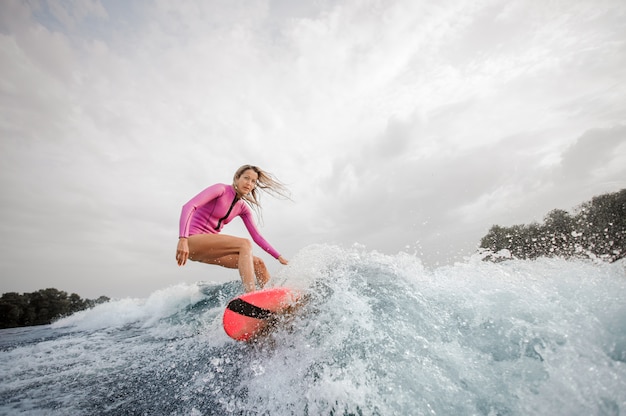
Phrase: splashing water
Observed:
(379, 335)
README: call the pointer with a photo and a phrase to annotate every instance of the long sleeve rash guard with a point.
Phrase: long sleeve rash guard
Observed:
(216, 206)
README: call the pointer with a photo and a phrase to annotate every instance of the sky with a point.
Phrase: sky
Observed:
(398, 125)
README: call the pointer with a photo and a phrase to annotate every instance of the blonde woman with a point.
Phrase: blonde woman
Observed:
(204, 216)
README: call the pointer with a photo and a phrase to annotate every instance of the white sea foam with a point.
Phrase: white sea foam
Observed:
(120, 312)
(379, 335)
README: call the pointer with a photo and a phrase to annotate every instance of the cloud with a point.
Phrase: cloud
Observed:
(70, 13)
(594, 152)
(397, 124)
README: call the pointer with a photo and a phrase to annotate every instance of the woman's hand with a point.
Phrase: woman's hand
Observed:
(283, 260)
(182, 251)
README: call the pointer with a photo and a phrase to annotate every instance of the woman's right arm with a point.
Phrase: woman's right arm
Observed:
(182, 251)
(204, 197)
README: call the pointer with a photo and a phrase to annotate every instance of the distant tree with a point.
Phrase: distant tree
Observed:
(496, 239)
(597, 230)
(12, 308)
(76, 303)
(602, 222)
(41, 307)
(48, 304)
(90, 303)
(558, 226)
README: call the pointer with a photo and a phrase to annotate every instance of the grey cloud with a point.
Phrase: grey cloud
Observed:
(592, 150)
(403, 122)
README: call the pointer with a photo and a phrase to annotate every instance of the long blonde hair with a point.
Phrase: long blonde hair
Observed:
(266, 182)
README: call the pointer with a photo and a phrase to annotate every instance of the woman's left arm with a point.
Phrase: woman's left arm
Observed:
(248, 221)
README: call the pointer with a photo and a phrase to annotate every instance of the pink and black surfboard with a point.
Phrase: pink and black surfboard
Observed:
(249, 314)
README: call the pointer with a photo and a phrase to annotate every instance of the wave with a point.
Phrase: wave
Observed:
(379, 335)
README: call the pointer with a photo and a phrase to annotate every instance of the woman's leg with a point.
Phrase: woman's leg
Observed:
(262, 275)
(232, 262)
(231, 252)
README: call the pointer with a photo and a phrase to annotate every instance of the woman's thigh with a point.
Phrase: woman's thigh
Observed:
(208, 248)
(231, 261)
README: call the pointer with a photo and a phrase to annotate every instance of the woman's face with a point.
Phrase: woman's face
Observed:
(246, 182)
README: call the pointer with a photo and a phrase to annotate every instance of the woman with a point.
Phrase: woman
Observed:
(203, 217)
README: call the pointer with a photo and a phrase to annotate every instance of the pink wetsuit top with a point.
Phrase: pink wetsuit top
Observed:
(211, 209)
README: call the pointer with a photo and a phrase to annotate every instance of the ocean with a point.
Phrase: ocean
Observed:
(378, 335)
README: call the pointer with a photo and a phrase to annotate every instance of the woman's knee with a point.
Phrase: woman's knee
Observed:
(258, 262)
(245, 245)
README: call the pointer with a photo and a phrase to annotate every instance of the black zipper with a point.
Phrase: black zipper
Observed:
(219, 223)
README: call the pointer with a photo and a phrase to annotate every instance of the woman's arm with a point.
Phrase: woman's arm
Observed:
(248, 221)
(182, 251)
(204, 197)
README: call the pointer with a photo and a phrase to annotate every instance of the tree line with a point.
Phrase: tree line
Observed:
(596, 229)
(41, 307)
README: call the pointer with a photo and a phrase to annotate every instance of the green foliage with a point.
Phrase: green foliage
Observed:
(41, 307)
(597, 229)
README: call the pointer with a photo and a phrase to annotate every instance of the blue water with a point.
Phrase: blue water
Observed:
(380, 335)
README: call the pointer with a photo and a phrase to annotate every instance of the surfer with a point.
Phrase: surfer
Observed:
(203, 217)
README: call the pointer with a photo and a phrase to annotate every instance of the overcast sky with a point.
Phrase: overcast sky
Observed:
(400, 125)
